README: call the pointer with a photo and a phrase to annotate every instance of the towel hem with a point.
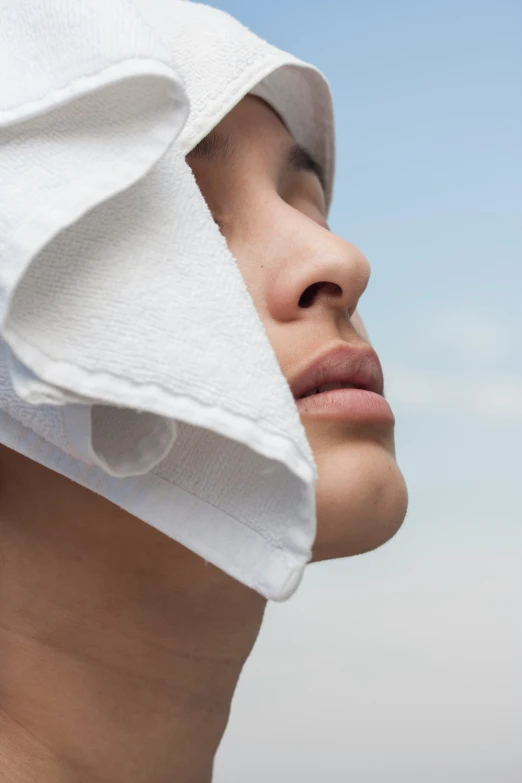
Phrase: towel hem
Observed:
(270, 570)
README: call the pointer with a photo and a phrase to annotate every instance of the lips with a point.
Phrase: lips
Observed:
(344, 364)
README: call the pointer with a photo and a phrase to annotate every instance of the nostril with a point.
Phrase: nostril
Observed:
(328, 289)
(308, 296)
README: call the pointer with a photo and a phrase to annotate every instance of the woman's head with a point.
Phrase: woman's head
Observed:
(266, 194)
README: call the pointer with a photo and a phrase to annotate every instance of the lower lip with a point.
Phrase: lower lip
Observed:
(347, 404)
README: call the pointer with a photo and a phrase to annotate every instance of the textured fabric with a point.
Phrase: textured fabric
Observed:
(132, 359)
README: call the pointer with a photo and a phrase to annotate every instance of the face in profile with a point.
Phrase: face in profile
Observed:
(266, 196)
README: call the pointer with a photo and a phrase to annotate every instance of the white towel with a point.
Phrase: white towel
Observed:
(132, 358)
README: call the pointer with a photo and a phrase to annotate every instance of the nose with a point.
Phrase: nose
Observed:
(318, 271)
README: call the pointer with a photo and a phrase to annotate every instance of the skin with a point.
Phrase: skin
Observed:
(274, 221)
(121, 649)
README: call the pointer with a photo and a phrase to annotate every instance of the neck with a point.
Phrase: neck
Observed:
(120, 649)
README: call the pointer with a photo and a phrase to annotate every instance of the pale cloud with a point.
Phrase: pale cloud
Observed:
(500, 397)
(471, 334)
(471, 364)
(401, 666)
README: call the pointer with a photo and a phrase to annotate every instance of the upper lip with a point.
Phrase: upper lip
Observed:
(342, 364)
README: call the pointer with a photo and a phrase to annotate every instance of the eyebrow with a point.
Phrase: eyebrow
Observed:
(217, 146)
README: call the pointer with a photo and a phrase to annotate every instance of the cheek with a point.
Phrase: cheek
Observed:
(251, 245)
(359, 326)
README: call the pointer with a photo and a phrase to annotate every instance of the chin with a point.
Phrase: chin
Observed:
(361, 498)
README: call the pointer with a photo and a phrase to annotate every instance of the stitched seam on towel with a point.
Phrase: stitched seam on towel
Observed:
(264, 66)
(129, 381)
(260, 583)
(261, 69)
(271, 544)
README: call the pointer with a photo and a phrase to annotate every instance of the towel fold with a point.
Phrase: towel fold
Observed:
(132, 359)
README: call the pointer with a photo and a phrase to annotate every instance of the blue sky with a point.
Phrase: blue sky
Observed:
(404, 665)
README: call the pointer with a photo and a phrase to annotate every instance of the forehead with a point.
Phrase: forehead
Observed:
(252, 116)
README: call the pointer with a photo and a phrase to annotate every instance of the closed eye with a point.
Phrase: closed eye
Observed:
(299, 159)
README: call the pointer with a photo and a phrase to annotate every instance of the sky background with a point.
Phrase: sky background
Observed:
(405, 665)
